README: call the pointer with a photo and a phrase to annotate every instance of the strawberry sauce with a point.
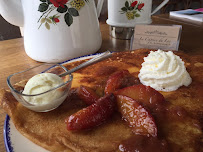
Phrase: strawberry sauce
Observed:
(140, 143)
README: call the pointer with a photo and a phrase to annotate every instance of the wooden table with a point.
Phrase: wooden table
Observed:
(14, 59)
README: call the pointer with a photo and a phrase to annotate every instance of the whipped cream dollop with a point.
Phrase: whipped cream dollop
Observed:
(164, 71)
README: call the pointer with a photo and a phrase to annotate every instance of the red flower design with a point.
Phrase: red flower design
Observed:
(58, 3)
(56, 20)
(140, 6)
(133, 4)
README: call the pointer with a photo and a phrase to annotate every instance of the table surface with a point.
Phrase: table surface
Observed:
(14, 59)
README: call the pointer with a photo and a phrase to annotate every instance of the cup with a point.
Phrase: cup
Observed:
(123, 15)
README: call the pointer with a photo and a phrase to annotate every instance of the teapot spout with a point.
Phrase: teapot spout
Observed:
(12, 11)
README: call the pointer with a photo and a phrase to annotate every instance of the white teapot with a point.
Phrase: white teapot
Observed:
(55, 30)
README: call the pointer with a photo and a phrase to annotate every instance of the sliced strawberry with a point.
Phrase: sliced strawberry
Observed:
(119, 80)
(87, 95)
(138, 118)
(145, 94)
(93, 115)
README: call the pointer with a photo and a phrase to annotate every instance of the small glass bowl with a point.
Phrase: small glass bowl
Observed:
(17, 81)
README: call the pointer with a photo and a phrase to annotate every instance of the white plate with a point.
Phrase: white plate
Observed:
(14, 141)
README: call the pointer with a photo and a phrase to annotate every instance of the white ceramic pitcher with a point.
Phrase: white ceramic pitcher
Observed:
(55, 30)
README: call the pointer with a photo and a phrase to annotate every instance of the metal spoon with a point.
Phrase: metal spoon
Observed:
(98, 58)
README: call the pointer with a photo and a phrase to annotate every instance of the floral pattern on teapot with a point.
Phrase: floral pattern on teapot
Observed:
(69, 7)
(132, 9)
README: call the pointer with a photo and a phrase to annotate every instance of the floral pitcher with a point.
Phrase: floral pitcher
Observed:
(55, 30)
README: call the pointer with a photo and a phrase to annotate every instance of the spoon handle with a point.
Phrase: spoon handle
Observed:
(98, 58)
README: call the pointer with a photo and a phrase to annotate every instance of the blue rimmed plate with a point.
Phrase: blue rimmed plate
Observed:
(16, 142)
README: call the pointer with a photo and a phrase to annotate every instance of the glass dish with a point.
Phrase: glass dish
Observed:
(17, 81)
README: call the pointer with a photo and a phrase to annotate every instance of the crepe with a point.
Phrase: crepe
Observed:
(49, 129)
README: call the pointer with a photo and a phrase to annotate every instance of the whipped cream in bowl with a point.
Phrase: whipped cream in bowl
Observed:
(40, 88)
(164, 71)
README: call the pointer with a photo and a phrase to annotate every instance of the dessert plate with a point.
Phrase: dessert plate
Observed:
(16, 142)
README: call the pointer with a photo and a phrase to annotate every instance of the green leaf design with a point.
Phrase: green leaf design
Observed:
(47, 26)
(43, 7)
(43, 20)
(137, 15)
(134, 12)
(68, 19)
(73, 12)
(43, 0)
(48, 20)
(126, 4)
(61, 9)
(48, 1)
(124, 9)
(131, 8)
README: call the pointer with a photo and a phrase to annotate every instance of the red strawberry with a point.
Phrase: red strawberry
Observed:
(93, 115)
(119, 80)
(145, 94)
(138, 118)
(87, 95)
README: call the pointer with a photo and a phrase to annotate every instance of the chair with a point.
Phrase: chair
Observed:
(175, 5)
(8, 31)
(188, 3)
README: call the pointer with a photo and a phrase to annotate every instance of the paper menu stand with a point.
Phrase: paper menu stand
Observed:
(165, 37)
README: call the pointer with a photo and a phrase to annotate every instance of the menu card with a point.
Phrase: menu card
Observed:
(156, 37)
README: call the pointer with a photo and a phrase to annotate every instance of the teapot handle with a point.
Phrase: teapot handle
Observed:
(99, 7)
(160, 6)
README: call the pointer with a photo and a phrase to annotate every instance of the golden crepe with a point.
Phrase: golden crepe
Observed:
(49, 129)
